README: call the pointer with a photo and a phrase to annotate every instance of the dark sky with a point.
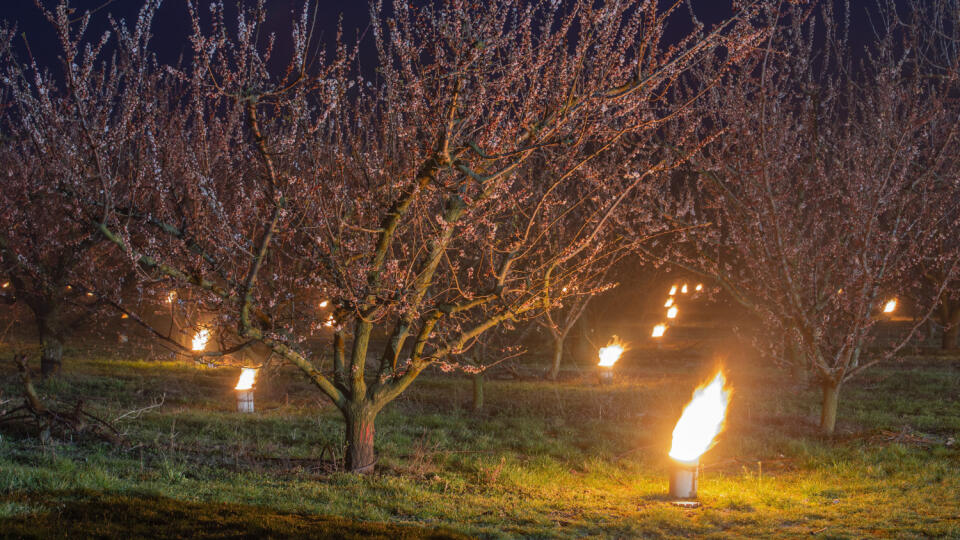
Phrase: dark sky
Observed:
(172, 25)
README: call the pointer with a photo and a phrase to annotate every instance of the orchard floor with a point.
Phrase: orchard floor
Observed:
(571, 459)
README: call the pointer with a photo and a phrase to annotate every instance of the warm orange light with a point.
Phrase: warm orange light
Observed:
(200, 339)
(658, 330)
(6, 284)
(611, 353)
(171, 296)
(324, 303)
(701, 421)
(247, 377)
(669, 302)
(673, 290)
(89, 294)
(124, 316)
(684, 289)
(890, 306)
(672, 312)
(699, 287)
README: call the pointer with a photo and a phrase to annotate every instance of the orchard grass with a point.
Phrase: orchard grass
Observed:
(567, 459)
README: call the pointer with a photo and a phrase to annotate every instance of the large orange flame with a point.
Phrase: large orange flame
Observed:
(611, 353)
(701, 421)
(200, 339)
(247, 377)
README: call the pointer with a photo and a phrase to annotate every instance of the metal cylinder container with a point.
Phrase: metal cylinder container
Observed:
(245, 401)
(683, 480)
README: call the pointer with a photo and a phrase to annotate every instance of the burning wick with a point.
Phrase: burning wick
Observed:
(699, 287)
(684, 288)
(669, 302)
(658, 330)
(673, 290)
(200, 339)
(244, 388)
(608, 357)
(672, 312)
(890, 306)
(694, 434)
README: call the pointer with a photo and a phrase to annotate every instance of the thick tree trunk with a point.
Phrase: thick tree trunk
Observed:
(828, 412)
(557, 357)
(477, 392)
(51, 345)
(360, 456)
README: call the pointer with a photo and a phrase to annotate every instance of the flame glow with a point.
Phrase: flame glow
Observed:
(658, 330)
(669, 302)
(324, 303)
(673, 290)
(247, 377)
(200, 339)
(672, 312)
(611, 353)
(701, 421)
(890, 306)
(171, 296)
(699, 287)
(684, 289)
(6, 284)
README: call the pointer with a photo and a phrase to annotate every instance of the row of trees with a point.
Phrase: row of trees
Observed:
(496, 164)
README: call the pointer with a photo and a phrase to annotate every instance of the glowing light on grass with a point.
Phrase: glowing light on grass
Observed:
(611, 353)
(659, 330)
(669, 302)
(684, 289)
(672, 312)
(890, 306)
(200, 339)
(673, 290)
(701, 421)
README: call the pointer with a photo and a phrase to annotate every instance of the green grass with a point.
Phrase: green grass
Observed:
(571, 459)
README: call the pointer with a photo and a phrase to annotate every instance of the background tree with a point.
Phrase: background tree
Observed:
(817, 204)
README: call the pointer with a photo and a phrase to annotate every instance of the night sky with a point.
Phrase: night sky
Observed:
(172, 25)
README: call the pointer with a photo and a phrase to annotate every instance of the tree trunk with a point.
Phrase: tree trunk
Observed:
(828, 412)
(798, 365)
(51, 345)
(557, 356)
(477, 392)
(951, 326)
(360, 456)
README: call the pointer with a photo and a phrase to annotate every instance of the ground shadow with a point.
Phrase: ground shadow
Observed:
(101, 515)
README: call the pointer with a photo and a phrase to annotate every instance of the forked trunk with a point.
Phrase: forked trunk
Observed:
(360, 456)
(828, 412)
(477, 392)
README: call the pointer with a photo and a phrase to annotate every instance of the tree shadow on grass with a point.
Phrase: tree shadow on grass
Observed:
(103, 515)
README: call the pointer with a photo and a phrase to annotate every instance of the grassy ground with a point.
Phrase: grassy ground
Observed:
(571, 459)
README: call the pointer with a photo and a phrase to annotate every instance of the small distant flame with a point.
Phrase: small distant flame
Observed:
(684, 289)
(324, 303)
(247, 377)
(658, 330)
(6, 284)
(701, 421)
(171, 296)
(890, 306)
(673, 290)
(672, 312)
(669, 302)
(563, 290)
(89, 294)
(124, 316)
(611, 353)
(699, 287)
(200, 339)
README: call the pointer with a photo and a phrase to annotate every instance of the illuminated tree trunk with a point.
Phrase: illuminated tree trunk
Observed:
(477, 392)
(828, 412)
(558, 341)
(360, 457)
